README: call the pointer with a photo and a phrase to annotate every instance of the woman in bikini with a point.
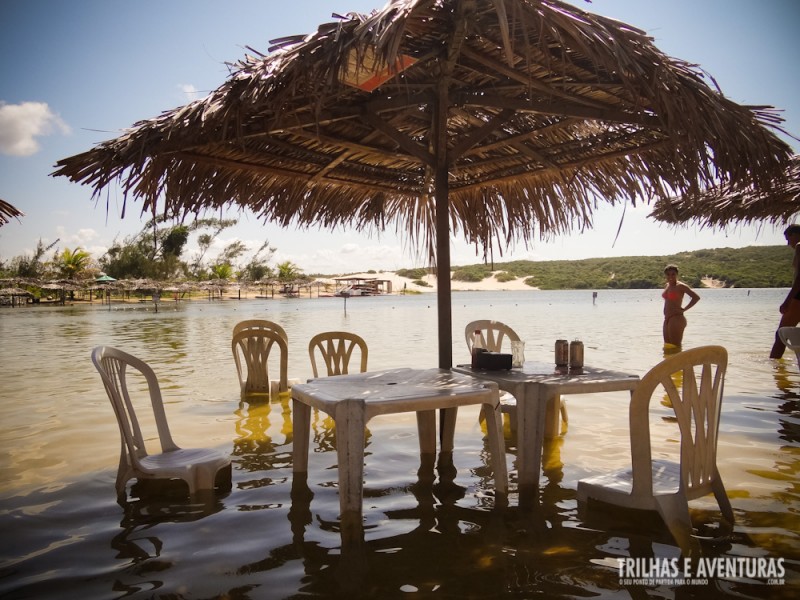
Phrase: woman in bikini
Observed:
(674, 319)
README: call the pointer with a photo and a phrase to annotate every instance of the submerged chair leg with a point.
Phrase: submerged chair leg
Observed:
(722, 500)
(122, 479)
(674, 509)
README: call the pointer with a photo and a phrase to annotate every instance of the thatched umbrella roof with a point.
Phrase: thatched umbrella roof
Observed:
(503, 120)
(7, 212)
(730, 203)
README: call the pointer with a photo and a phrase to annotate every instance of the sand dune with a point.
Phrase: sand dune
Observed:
(398, 283)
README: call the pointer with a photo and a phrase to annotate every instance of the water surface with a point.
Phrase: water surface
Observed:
(431, 530)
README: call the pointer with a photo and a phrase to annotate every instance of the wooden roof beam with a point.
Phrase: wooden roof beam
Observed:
(525, 78)
(575, 164)
(481, 133)
(557, 109)
(355, 147)
(240, 165)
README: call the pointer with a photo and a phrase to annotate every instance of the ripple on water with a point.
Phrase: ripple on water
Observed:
(428, 529)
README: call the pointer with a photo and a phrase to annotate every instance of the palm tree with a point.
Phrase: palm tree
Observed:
(288, 271)
(72, 263)
(222, 271)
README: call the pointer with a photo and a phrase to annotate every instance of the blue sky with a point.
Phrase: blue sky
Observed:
(75, 73)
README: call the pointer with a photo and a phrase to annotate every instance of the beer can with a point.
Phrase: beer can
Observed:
(562, 353)
(576, 355)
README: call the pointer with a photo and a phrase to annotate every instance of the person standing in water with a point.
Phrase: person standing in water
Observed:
(790, 309)
(674, 319)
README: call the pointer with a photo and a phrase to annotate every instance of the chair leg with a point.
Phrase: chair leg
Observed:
(203, 480)
(674, 509)
(511, 411)
(497, 451)
(552, 426)
(223, 479)
(722, 499)
(301, 425)
(123, 475)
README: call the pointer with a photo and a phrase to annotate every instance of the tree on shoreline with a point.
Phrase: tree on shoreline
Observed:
(71, 264)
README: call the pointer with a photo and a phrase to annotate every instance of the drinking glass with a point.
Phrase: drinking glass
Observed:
(517, 354)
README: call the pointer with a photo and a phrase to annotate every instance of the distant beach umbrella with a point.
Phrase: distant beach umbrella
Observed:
(504, 121)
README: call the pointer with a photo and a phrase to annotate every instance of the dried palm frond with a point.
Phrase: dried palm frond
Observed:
(8, 212)
(531, 112)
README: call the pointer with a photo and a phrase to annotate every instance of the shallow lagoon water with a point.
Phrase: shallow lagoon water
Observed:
(431, 530)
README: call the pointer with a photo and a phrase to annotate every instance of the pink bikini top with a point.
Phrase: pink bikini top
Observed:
(672, 296)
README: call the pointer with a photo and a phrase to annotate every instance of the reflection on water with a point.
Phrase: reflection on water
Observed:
(430, 526)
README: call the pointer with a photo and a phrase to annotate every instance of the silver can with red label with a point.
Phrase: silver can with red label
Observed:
(576, 354)
(562, 353)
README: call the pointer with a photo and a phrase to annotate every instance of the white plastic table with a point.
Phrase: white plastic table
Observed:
(352, 400)
(535, 386)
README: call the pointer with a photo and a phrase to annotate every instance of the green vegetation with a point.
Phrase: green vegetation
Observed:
(413, 273)
(471, 273)
(754, 267)
(504, 276)
(156, 252)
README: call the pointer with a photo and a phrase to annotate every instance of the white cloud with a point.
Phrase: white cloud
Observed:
(85, 238)
(21, 125)
(189, 91)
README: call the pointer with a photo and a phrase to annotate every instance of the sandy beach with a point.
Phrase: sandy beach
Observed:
(490, 284)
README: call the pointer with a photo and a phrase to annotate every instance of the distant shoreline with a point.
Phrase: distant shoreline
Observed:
(399, 283)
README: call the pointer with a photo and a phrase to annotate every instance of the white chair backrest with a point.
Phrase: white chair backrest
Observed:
(259, 324)
(336, 349)
(492, 334)
(253, 346)
(700, 373)
(114, 367)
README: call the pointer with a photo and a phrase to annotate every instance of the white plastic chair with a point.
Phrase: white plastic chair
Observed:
(200, 468)
(336, 348)
(662, 485)
(251, 348)
(493, 334)
(790, 336)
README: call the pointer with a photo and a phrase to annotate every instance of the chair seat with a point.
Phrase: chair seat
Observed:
(184, 458)
(617, 487)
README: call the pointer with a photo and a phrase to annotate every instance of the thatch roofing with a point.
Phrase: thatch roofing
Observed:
(502, 120)
(7, 212)
(729, 203)
(550, 108)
